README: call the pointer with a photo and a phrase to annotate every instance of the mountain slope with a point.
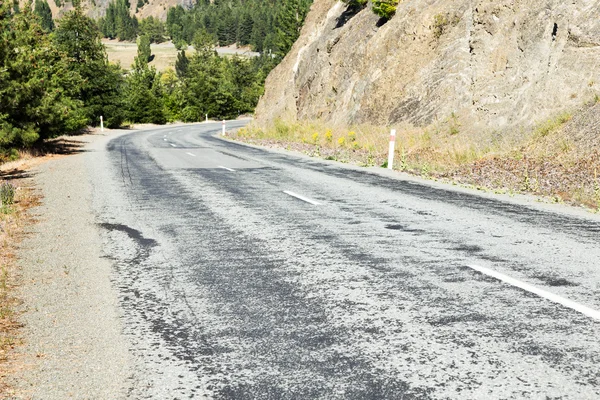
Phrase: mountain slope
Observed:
(97, 8)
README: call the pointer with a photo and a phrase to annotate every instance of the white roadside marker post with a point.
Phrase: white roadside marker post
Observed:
(391, 151)
(101, 124)
(206, 117)
(223, 127)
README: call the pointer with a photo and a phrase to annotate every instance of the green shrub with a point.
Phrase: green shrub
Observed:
(7, 194)
(439, 24)
(385, 8)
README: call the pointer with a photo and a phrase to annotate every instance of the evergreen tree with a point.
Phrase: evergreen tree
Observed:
(181, 64)
(77, 36)
(118, 23)
(42, 10)
(153, 28)
(37, 89)
(241, 22)
(143, 92)
(144, 52)
(288, 23)
(244, 30)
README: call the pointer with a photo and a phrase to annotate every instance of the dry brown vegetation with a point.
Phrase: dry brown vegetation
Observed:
(13, 219)
(558, 159)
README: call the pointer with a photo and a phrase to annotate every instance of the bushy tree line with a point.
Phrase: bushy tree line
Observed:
(118, 22)
(58, 82)
(266, 25)
(201, 84)
(50, 83)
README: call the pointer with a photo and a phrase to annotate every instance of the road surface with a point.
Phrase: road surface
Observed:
(244, 273)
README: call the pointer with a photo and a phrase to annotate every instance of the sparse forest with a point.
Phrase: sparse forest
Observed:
(266, 25)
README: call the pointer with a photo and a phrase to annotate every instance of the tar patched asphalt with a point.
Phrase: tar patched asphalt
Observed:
(230, 287)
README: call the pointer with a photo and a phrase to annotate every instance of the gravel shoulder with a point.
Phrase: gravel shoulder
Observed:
(73, 343)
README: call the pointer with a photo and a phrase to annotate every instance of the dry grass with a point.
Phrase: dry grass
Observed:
(165, 54)
(123, 53)
(13, 220)
(438, 149)
(554, 160)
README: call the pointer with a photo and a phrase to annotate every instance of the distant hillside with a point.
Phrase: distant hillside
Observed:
(264, 25)
(97, 8)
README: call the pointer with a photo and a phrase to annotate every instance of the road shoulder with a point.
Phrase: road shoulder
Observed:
(73, 345)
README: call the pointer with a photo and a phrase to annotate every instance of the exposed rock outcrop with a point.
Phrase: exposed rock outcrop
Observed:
(494, 65)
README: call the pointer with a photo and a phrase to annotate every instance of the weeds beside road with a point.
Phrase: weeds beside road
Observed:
(13, 219)
(558, 159)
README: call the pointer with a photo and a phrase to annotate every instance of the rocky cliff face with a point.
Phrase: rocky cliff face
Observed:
(493, 65)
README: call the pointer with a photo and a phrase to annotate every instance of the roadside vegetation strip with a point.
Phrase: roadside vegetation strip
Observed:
(13, 219)
(555, 160)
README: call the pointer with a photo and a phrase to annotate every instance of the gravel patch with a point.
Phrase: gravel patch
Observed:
(73, 342)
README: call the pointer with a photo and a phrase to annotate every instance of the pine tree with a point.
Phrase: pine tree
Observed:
(118, 23)
(143, 91)
(144, 52)
(288, 23)
(153, 28)
(42, 10)
(77, 36)
(244, 31)
(37, 90)
(181, 64)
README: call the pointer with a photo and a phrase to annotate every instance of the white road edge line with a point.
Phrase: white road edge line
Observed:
(306, 199)
(590, 312)
(172, 145)
(228, 169)
(190, 154)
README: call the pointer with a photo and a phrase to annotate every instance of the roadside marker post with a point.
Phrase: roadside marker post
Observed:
(391, 151)
(101, 124)
(223, 128)
(206, 117)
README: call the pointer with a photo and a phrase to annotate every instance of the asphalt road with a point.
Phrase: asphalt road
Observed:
(251, 274)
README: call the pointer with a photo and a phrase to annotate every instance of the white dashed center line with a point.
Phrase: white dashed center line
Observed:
(165, 139)
(190, 154)
(306, 199)
(590, 312)
(228, 169)
(172, 145)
